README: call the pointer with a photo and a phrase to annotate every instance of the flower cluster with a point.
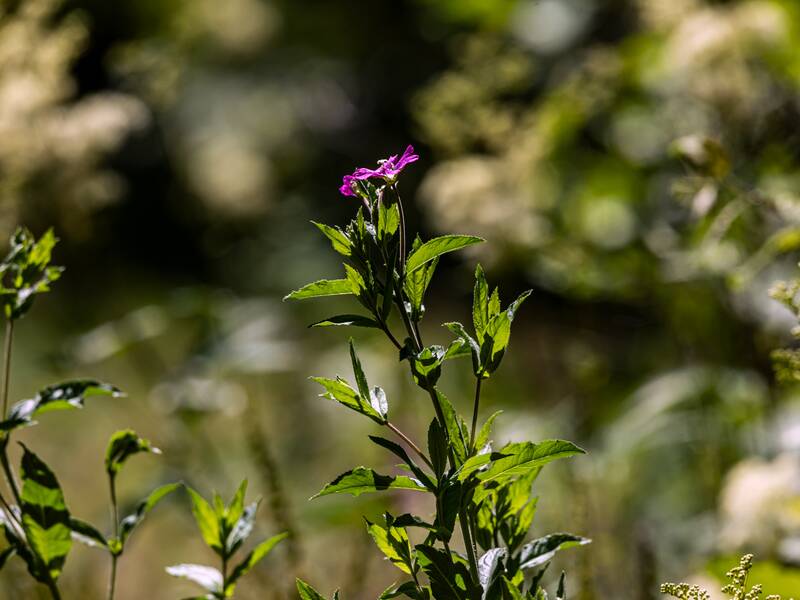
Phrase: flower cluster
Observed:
(736, 589)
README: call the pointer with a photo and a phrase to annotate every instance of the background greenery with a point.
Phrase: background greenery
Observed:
(634, 161)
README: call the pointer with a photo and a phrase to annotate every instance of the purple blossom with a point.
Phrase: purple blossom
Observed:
(388, 170)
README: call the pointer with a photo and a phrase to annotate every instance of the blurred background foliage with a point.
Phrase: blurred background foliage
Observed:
(635, 161)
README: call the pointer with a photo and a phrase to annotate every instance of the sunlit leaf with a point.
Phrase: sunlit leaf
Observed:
(324, 287)
(208, 578)
(362, 480)
(45, 517)
(438, 246)
(543, 549)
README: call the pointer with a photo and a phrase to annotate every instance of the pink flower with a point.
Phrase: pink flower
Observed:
(388, 170)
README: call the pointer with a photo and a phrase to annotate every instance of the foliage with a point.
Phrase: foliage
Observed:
(37, 523)
(485, 491)
(224, 529)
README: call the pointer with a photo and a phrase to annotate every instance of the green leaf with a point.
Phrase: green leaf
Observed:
(362, 480)
(456, 435)
(129, 523)
(340, 391)
(361, 379)
(122, 445)
(252, 559)
(480, 304)
(543, 549)
(343, 320)
(87, 534)
(450, 579)
(436, 247)
(394, 543)
(339, 241)
(209, 578)
(520, 459)
(67, 395)
(482, 439)
(307, 592)
(511, 591)
(207, 522)
(235, 509)
(45, 517)
(324, 287)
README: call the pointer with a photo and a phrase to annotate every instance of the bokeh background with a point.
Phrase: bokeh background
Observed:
(635, 162)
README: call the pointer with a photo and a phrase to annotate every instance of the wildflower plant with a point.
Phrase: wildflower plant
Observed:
(483, 492)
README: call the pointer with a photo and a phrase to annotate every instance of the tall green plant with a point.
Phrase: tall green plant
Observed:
(36, 522)
(481, 491)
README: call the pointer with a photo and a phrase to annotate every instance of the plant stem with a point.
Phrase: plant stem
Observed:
(7, 364)
(408, 441)
(224, 573)
(475, 408)
(112, 579)
(9, 474)
(414, 334)
(51, 585)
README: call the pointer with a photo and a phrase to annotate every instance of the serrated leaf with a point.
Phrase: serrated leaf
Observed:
(543, 549)
(520, 459)
(206, 518)
(438, 246)
(362, 480)
(255, 556)
(45, 518)
(345, 320)
(321, 288)
(340, 391)
(339, 241)
(129, 523)
(122, 445)
(209, 578)
(66, 395)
